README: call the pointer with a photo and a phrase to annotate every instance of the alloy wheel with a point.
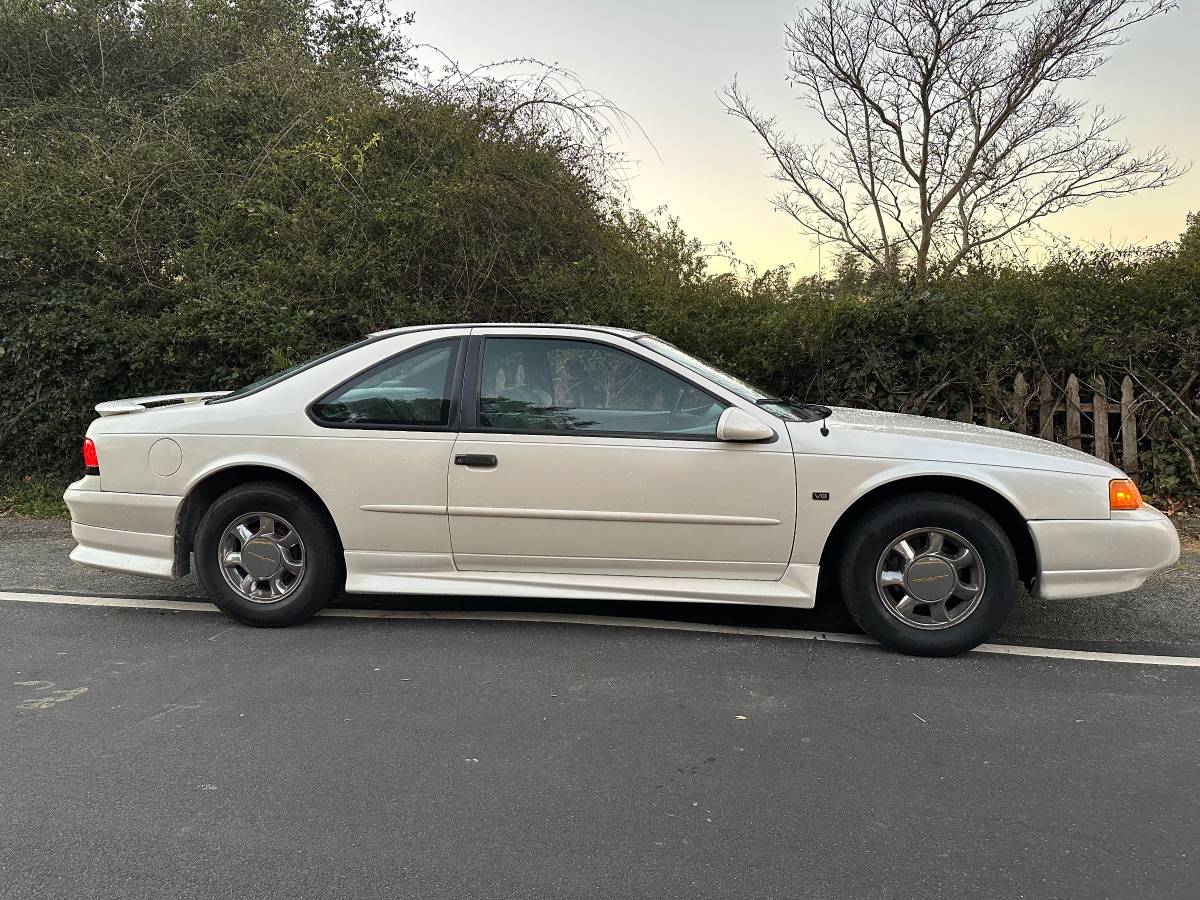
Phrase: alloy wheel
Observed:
(261, 556)
(930, 578)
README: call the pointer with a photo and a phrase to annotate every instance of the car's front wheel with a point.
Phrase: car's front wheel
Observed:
(929, 574)
(268, 555)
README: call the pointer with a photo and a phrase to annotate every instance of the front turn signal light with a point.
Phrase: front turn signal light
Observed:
(1123, 494)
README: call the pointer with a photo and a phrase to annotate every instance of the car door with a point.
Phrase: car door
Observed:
(386, 436)
(595, 456)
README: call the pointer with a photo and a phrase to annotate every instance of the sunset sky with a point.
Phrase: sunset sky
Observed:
(664, 62)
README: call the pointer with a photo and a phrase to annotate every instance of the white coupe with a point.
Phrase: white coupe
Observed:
(583, 462)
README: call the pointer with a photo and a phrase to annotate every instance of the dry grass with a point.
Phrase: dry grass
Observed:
(32, 497)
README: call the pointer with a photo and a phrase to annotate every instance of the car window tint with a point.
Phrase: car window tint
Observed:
(412, 390)
(564, 385)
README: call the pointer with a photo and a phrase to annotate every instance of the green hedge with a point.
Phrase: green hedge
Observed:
(230, 190)
(883, 346)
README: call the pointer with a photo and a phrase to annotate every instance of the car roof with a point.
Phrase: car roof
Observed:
(620, 332)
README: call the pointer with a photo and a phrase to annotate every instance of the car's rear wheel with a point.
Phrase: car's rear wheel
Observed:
(929, 574)
(268, 555)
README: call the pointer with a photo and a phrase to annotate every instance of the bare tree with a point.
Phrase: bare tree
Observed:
(950, 129)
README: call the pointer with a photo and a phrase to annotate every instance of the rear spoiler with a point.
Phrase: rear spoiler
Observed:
(138, 404)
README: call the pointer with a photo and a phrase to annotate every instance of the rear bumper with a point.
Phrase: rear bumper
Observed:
(1087, 558)
(132, 533)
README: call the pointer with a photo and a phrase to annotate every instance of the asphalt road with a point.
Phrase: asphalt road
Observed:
(147, 753)
(1161, 618)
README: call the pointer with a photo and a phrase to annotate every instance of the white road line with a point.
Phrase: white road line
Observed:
(611, 621)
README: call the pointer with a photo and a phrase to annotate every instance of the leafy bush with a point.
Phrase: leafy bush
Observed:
(194, 194)
(884, 344)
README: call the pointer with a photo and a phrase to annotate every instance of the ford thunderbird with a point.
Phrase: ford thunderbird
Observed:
(580, 462)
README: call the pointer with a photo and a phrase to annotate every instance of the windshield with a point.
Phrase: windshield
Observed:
(286, 373)
(744, 389)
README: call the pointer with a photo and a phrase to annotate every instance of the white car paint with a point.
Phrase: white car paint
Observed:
(589, 515)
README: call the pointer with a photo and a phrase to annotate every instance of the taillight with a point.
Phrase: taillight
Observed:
(1123, 494)
(91, 462)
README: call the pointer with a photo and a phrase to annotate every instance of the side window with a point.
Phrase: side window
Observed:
(565, 385)
(411, 390)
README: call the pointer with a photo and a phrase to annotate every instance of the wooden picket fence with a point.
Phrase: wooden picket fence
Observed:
(1105, 424)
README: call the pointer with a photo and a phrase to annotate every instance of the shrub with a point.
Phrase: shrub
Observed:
(237, 186)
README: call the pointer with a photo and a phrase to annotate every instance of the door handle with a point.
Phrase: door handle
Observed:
(479, 460)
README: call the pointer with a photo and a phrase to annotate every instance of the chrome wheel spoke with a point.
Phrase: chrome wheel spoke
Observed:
(891, 579)
(266, 525)
(904, 548)
(244, 533)
(248, 585)
(289, 540)
(936, 541)
(939, 613)
(291, 565)
(906, 605)
(966, 591)
(965, 557)
(232, 558)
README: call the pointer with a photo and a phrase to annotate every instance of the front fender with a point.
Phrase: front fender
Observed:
(849, 481)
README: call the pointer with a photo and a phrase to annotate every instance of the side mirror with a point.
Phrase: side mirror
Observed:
(738, 425)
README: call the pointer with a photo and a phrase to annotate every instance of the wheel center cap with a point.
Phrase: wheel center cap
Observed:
(260, 557)
(929, 579)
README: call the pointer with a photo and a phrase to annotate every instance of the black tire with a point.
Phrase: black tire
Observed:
(862, 559)
(323, 572)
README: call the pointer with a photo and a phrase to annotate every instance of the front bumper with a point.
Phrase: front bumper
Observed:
(132, 533)
(1090, 557)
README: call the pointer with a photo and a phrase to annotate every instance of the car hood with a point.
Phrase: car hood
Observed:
(862, 432)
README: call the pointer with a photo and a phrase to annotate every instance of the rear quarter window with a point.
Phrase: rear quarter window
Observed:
(412, 390)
